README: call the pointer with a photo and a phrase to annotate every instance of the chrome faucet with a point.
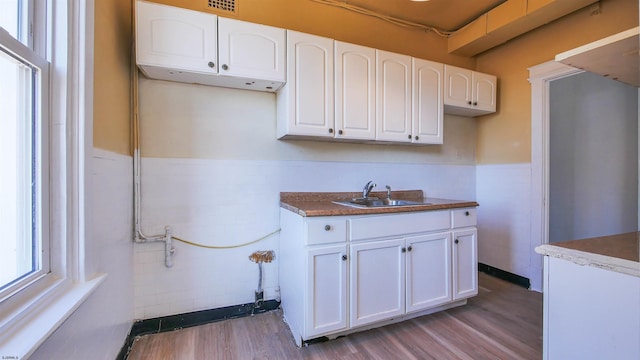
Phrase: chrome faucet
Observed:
(367, 189)
(388, 191)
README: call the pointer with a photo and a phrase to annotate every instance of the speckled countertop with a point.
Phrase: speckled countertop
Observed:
(620, 252)
(321, 203)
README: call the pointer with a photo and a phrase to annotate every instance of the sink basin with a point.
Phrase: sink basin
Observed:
(375, 203)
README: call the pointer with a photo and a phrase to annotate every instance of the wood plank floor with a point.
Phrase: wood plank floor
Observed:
(503, 322)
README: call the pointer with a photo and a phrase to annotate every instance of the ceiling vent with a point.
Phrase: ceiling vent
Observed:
(223, 6)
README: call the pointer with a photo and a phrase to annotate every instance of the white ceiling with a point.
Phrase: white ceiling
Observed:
(445, 15)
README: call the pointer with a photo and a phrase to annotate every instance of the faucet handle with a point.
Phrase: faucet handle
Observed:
(388, 191)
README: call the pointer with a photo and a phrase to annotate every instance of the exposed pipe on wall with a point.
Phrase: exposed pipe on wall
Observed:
(387, 18)
(139, 236)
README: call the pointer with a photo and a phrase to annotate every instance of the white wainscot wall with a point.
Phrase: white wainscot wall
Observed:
(504, 239)
(99, 327)
(229, 202)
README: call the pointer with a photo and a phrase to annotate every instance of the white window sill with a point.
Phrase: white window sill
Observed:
(38, 322)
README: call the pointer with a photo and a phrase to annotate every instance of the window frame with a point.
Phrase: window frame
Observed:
(30, 315)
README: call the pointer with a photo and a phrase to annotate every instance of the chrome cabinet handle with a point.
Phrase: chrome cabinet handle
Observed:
(327, 228)
(225, 67)
(211, 64)
(344, 257)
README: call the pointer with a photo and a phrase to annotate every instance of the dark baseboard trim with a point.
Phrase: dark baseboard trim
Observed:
(175, 322)
(505, 275)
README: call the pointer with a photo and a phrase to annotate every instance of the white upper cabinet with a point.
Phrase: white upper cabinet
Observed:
(393, 95)
(427, 115)
(305, 103)
(458, 86)
(468, 93)
(334, 90)
(355, 86)
(176, 38)
(194, 47)
(484, 89)
(251, 50)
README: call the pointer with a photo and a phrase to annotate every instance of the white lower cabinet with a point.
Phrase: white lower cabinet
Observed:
(465, 263)
(428, 271)
(340, 274)
(326, 289)
(377, 281)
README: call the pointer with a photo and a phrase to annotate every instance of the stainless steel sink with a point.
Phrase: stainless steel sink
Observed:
(375, 203)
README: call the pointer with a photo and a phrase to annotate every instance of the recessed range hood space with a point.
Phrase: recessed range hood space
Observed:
(616, 57)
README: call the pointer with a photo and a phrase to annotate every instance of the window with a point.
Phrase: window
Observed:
(24, 242)
(46, 83)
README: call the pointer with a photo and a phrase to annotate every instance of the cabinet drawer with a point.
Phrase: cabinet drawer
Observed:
(463, 217)
(398, 225)
(325, 231)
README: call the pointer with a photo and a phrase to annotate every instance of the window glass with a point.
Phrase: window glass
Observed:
(13, 18)
(19, 243)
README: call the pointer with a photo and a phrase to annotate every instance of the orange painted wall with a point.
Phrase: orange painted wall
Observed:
(505, 137)
(112, 76)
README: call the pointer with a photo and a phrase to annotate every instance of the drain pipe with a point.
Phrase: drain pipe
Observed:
(260, 257)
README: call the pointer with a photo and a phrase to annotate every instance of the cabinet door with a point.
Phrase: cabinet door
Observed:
(428, 105)
(465, 263)
(377, 281)
(251, 50)
(393, 95)
(326, 290)
(428, 271)
(457, 86)
(355, 91)
(175, 38)
(305, 103)
(484, 86)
